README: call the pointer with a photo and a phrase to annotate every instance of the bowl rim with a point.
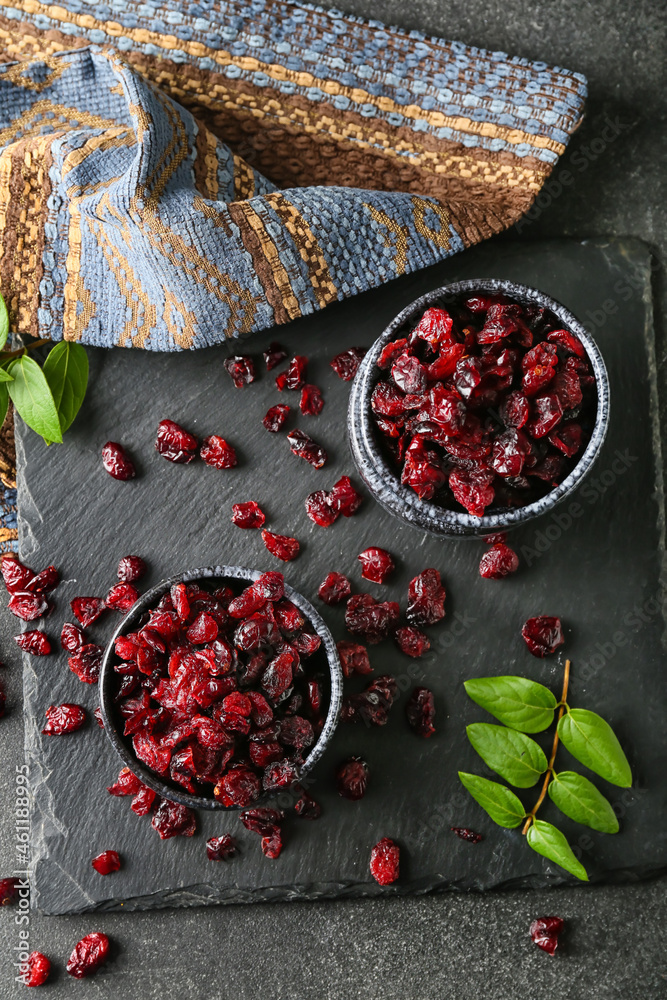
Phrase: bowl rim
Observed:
(129, 620)
(382, 480)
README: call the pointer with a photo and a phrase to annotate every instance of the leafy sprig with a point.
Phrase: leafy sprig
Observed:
(524, 706)
(48, 398)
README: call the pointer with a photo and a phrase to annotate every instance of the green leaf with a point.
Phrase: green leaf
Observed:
(4, 402)
(66, 371)
(516, 701)
(579, 799)
(5, 376)
(548, 841)
(499, 802)
(593, 742)
(4, 323)
(515, 757)
(31, 395)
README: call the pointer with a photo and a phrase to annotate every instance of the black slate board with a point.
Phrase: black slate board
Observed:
(601, 574)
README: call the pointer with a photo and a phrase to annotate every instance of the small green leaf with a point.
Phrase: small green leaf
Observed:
(548, 841)
(579, 799)
(4, 402)
(66, 371)
(593, 742)
(4, 323)
(499, 802)
(515, 757)
(516, 701)
(5, 376)
(31, 395)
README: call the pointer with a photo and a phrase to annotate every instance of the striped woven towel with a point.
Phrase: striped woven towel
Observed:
(174, 173)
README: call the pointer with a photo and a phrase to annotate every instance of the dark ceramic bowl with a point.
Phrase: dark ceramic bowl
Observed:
(382, 479)
(113, 722)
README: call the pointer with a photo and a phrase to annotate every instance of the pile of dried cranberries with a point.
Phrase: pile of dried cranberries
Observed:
(223, 688)
(486, 404)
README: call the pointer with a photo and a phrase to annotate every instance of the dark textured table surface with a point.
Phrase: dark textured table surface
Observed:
(442, 946)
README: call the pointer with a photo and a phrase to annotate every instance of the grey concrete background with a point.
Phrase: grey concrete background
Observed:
(444, 947)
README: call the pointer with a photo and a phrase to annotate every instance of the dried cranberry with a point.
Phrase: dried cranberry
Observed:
(423, 471)
(353, 658)
(465, 833)
(174, 443)
(409, 374)
(498, 561)
(515, 410)
(346, 364)
(271, 585)
(238, 787)
(127, 784)
(97, 712)
(352, 778)
(261, 820)
(65, 718)
(435, 327)
(276, 417)
(306, 807)
(391, 351)
(568, 341)
(280, 775)
(89, 954)
(543, 635)
(281, 546)
(174, 820)
(303, 446)
(473, 489)
(312, 401)
(203, 629)
(420, 711)
(9, 891)
(34, 642)
(272, 845)
(376, 564)
(117, 462)
(216, 452)
(248, 515)
(545, 932)
(412, 641)
(44, 581)
(274, 355)
(343, 498)
(28, 606)
(547, 412)
(106, 862)
(385, 858)
(373, 620)
(131, 568)
(87, 609)
(319, 509)
(372, 705)
(37, 971)
(220, 848)
(567, 437)
(241, 369)
(16, 576)
(334, 588)
(121, 597)
(426, 598)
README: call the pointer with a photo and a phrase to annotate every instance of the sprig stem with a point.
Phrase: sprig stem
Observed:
(547, 777)
(9, 355)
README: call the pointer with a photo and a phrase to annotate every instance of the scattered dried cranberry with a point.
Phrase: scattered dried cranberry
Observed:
(44, 581)
(9, 891)
(27, 606)
(276, 417)
(15, 575)
(131, 569)
(174, 443)
(248, 515)
(221, 848)
(370, 619)
(319, 510)
(281, 546)
(174, 820)
(352, 778)
(295, 376)
(127, 784)
(121, 597)
(37, 971)
(216, 452)
(334, 588)
(344, 499)
(385, 858)
(372, 705)
(426, 598)
(89, 954)
(241, 370)
(106, 862)
(465, 833)
(545, 932)
(353, 658)
(346, 364)
(543, 635)
(498, 561)
(87, 609)
(412, 641)
(306, 807)
(272, 845)
(376, 564)
(303, 446)
(86, 663)
(312, 401)
(117, 462)
(34, 642)
(420, 711)
(65, 718)
(274, 355)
